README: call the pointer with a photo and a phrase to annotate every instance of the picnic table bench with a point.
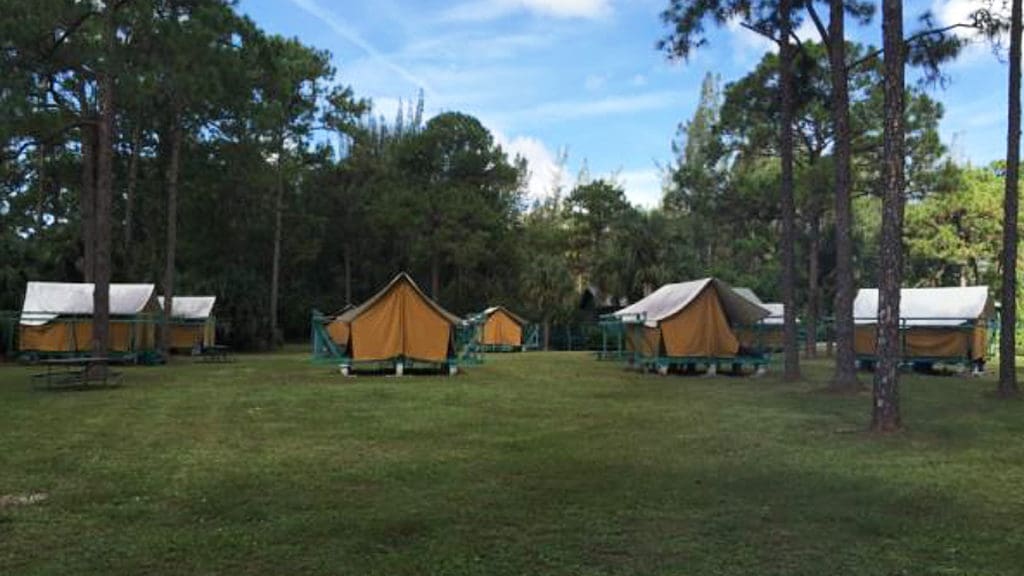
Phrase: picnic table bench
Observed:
(76, 371)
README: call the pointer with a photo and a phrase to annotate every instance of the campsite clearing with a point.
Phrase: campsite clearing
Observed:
(532, 463)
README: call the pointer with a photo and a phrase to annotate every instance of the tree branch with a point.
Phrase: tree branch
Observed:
(760, 32)
(819, 25)
(909, 41)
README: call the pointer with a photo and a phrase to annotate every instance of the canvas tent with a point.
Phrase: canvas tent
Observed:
(337, 329)
(691, 321)
(56, 317)
(398, 323)
(501, 329)
(936, 324)
(768, 333)
(192, 321)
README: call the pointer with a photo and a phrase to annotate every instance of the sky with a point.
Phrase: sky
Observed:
(582, 79)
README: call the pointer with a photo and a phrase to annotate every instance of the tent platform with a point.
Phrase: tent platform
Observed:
(664, 364)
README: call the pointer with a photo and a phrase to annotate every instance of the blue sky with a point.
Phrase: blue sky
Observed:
(581, 76)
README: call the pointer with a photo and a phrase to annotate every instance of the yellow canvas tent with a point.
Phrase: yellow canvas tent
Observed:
(948, 324)
(337, 328)
(697, 319)
(502, 329)
(192, 321)
(767, 334)
(399, 322)
(56, 317)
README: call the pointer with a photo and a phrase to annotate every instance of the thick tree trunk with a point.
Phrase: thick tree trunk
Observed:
(791, 369)
(1008, 322)
(171, 181)
(104, 196)
(886, 406)
(129, 196)
(547, 335)
(846, 359)
(813, 287)
(275, 271)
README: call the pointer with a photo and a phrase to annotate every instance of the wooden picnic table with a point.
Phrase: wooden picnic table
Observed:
(77, 370)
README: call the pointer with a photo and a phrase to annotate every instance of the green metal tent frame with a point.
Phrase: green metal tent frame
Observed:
(136, 355)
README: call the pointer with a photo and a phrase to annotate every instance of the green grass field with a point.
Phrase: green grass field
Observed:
(532, 464)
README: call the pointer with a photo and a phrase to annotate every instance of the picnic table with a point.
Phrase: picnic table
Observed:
(76, 371)
(215, 353)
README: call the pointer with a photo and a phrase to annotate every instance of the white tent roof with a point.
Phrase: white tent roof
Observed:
(672, 298)
(928, 306)
(45, 301)
(191, 307)
(778, 312)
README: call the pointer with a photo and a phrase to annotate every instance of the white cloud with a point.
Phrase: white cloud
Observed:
(643, 186)
(545, 170)
(747, 46)
(952, 12)
(639, 80)
(485, 10)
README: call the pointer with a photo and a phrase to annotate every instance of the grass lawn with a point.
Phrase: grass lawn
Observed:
(532, 464)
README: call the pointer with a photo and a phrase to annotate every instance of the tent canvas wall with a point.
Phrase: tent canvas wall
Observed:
(502, 329)
(399, 322)
(192, 321)
(56, 317)
(696, 320)
(768, 333)
(937, 324)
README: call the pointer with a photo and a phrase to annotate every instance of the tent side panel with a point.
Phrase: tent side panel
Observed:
(186, 335)
(864, 340)
(979, 341)
(426, 334)
(936, 342)
(377, 332)
(501, 330)
(700, 330)
(52, 337)
(339, 332)
(643, 340)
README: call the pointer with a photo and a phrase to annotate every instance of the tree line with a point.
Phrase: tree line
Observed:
(175, 142)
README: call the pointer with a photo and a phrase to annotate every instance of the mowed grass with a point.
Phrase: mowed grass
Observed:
(532, 464)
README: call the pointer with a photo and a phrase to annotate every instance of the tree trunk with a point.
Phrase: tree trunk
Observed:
(348, 274)
(87, 195)
(791, 370)
(846, 358)
(41, 154)
(435, 276)
(129, 196)
(275, 270)
(171, 181)
(813, 288)
(886, 406)
(104, 195)
(547, 334)
(1008, 321)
